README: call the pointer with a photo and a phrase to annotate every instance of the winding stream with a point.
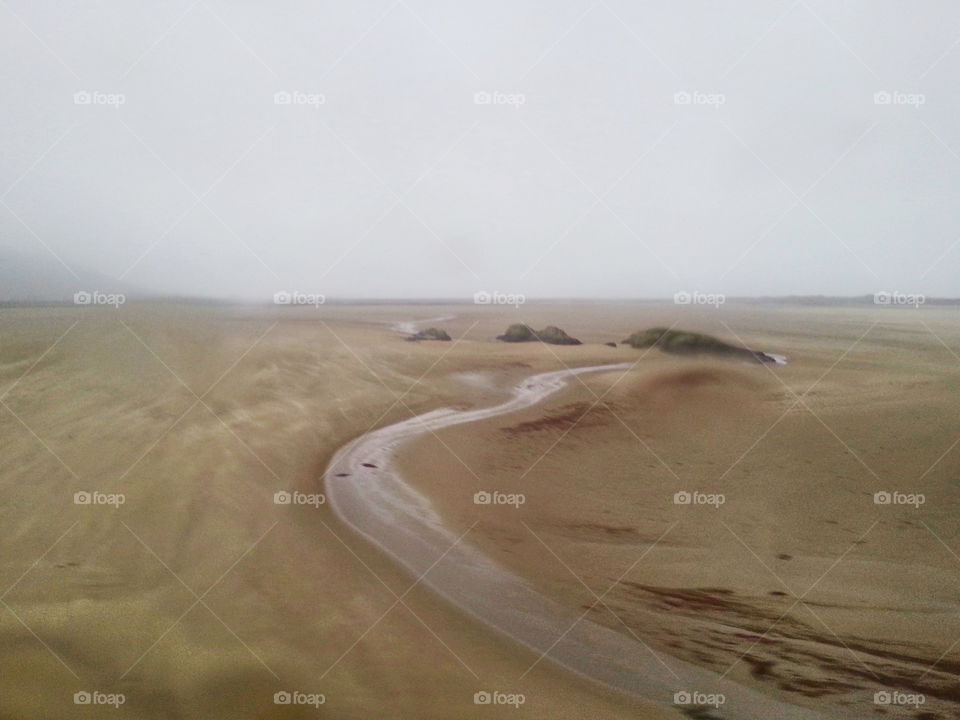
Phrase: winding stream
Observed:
(376, 502)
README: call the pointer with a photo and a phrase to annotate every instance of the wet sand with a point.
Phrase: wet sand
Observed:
(101, 598)
(367, 493)
(799, 585)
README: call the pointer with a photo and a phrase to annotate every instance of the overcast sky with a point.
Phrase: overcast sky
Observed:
(434, 148)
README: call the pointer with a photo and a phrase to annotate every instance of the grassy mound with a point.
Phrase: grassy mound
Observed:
(683, 342)
(430, 334)
(551, 334)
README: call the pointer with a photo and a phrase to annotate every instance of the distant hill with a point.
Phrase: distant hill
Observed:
(831, 301)
(41, 278)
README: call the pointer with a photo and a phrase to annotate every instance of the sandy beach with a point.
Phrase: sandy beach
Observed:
(480, 360)
(369, 494)
(199, 591)
(797, 583)
(198, 595)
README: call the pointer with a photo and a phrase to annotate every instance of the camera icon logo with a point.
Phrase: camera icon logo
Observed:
(282, 98)
(682, 697)
(681, 298)
(882, 498)
(482, 698)
(282, 697)
(482, 498)
(882, 98)
(682, 498)
(82, 698)
(682, 98)
(82, 498)
(82, 298)
(282, 298)
(482, 298)
(883, 697)
(482, 98)
(82, 97)
(282, 497)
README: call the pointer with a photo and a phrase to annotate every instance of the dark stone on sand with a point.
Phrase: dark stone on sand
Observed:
(551, 334)
(429, 334)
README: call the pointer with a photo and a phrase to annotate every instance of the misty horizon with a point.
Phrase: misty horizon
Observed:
(407, 149)
(429, 359)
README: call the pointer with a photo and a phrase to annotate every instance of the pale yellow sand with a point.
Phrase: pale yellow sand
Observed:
(103, 599)
(600, 465)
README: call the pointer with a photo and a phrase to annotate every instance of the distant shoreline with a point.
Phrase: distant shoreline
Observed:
(856, 301)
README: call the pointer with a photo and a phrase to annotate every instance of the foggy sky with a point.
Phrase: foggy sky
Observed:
(587, 175)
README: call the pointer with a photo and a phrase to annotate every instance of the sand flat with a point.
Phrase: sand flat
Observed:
(112, 606)
(721, 589)
(113, 407)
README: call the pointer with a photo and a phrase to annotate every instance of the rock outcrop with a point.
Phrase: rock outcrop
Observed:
(550, 334)
(429, 334)
(682, 342)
